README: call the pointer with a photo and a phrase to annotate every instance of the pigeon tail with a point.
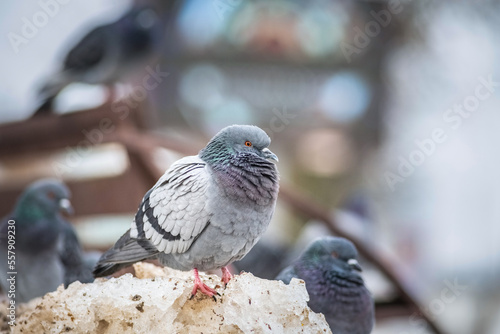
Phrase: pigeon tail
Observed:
(108, 269)
(124, 253)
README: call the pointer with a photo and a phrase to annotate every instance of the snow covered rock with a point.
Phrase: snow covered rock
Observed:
(157, 301)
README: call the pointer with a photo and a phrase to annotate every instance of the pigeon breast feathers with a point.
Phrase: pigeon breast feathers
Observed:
(174, 212)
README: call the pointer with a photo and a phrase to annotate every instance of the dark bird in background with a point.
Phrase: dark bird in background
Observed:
(107, 54)
(206, 211)
(47, 251)
(330, 269)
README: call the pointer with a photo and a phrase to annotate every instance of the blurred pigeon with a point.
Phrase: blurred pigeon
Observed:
(107, 53)
(47, 251)
(206, 211)
(330, 270)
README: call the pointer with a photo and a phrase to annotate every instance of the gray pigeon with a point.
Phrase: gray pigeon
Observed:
(330, 270)
(107, 53)
(206, 211)
(47, 251)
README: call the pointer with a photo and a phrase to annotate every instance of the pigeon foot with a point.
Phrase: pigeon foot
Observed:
(199, 285)
(226, 275)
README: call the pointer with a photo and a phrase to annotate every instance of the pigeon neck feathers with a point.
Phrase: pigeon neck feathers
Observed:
(242, 174)
(247, 176)
(28, 209)
(341, 296)
(38, 226)
(216, 152)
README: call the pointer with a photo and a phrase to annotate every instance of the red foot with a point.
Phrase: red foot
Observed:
(199, 285)
(226, 275)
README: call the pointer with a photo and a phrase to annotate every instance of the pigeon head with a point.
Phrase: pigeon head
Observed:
(338, 253)
(237, 140)
(141, 30)
(44, 198)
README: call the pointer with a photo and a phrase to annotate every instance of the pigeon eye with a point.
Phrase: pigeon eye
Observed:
(248, 143)
(335, 255)
(51, 195)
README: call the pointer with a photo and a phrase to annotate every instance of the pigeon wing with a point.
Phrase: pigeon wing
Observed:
(174, 212)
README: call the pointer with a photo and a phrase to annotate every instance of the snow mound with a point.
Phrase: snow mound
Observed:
(157, 301)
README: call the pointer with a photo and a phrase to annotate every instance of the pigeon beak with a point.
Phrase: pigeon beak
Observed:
(353, 263)
(270, 155)
(65, 206)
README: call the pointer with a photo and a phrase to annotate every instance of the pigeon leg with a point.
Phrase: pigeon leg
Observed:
(226, 275)
(199, 285)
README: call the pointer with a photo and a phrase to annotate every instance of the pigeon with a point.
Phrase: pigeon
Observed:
(45, 247)
(107, 53)
(330, 269)
(206, 211)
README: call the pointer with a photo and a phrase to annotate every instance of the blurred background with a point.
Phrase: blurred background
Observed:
(381, 112)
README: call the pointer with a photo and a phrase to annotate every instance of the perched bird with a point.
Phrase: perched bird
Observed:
(107, 53)
(206, 211)
(336, 289)
(47, 251)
